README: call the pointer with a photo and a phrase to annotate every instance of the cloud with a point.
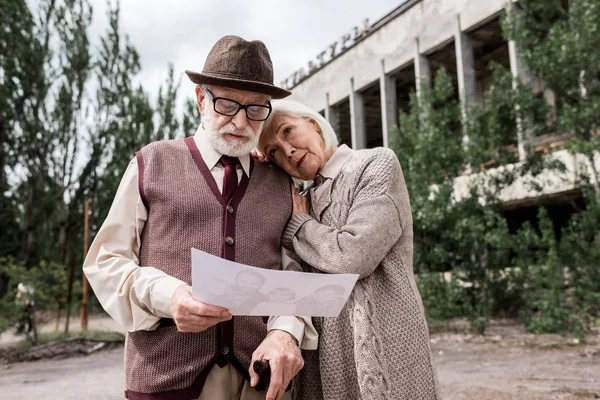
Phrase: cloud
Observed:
(183, 31)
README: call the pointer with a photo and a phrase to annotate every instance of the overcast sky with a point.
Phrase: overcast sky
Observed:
(183, 31)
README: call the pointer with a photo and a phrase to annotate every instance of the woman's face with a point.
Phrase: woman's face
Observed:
(296, 146)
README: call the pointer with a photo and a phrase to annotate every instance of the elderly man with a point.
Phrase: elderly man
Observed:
(204, 192)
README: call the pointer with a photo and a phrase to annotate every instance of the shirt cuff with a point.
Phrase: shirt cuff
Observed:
(292, 227)
(292, 325)
(162, 294)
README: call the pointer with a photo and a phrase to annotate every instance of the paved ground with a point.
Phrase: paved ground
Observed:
(95, 377)
(500, 371)
(505, 365)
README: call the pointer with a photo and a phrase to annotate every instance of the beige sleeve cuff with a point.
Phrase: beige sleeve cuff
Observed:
(299, 327)
(161, 295)
(292, 227)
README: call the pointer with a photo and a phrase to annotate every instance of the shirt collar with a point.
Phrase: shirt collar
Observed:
(211, 156)
(333, 167)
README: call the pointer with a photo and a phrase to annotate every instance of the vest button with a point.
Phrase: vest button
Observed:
(229, 240)
(230, 209)
(225, 350)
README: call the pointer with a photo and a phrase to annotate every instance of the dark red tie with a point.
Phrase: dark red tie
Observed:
(230, 179)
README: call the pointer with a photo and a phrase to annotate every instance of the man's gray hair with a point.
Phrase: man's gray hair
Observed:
(297, 110)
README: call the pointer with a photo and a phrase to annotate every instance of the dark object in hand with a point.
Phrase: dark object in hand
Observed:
(263, 369)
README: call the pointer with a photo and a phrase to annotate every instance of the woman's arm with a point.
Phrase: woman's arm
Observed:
(373, 226)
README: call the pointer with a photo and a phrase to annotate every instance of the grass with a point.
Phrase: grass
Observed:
(48, 337)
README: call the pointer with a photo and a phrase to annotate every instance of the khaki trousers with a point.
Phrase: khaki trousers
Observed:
(228, 384)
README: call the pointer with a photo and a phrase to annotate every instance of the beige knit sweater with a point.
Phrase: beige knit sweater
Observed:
(378, 347)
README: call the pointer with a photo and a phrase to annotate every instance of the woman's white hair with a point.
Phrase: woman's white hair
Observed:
(297, 110)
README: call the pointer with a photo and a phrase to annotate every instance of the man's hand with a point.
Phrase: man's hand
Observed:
(193, 316)
(285, 360)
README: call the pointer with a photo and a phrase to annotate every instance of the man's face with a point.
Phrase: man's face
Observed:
(249, 282)
(236, 135)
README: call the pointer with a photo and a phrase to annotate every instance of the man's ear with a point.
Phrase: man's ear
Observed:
(200, 99)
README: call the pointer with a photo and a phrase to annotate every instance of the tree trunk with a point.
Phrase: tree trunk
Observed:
(71, 278)
(2, 165)
(28, 238)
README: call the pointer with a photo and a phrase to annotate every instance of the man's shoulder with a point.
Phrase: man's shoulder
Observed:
(270, 171)
(161, 146)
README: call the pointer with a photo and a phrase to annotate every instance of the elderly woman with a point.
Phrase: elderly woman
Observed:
(358, 221)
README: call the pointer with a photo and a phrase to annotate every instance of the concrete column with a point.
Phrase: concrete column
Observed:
(422, 68)
(465, 66)
(332, 116)
(519, 71)
(357, 119)
(465, 70)
(389, 107)
(550, 97)
(328, 109)
(516, 65)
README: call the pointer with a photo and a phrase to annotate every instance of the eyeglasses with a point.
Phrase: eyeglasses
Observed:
(230, 108)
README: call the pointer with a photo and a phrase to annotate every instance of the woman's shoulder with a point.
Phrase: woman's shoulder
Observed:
(378, 160)
(373, 171)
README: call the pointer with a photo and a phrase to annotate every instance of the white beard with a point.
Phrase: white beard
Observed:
(233, 147)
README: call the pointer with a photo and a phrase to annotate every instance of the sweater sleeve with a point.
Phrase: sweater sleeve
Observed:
(372, 228)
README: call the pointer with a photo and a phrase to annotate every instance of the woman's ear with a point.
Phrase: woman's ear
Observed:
(313, 122)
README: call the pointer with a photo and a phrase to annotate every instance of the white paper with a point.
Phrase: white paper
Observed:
(246, 290)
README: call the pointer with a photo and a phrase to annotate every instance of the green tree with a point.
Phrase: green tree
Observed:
(123, 118)
(558, 42)
(168, 124)
(46, 115)
(69, 125)
(455, 198)
(17, 63)
(190, 118)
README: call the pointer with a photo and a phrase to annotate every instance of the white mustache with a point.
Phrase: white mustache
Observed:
(230, 128)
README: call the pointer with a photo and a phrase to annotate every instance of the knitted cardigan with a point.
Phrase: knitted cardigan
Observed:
(378, 347)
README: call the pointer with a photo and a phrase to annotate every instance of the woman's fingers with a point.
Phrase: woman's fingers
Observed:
(300, 203)
(257, 155)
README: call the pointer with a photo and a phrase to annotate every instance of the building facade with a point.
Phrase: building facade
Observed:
(362, 79)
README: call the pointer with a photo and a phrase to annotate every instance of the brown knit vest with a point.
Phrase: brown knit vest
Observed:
(185, 210)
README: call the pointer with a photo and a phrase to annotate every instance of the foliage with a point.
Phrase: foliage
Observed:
(544, 274)
(46, 281)
(71, 119)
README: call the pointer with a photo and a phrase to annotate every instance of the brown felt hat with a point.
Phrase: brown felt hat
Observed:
(239, 64)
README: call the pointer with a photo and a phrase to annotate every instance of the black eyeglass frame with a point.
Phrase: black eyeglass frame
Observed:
(240, 107)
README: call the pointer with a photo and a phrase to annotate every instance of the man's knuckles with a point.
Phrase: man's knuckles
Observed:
(200, 309)
(279, 359)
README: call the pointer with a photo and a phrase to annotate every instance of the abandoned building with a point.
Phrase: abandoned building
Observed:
(363, 78)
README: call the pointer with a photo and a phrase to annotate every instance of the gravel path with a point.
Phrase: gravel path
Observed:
(505, 365)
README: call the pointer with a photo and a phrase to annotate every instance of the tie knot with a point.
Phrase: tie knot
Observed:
(230, 161)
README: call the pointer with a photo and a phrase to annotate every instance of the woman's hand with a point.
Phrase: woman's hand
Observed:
(258, 156)
(300, 204)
